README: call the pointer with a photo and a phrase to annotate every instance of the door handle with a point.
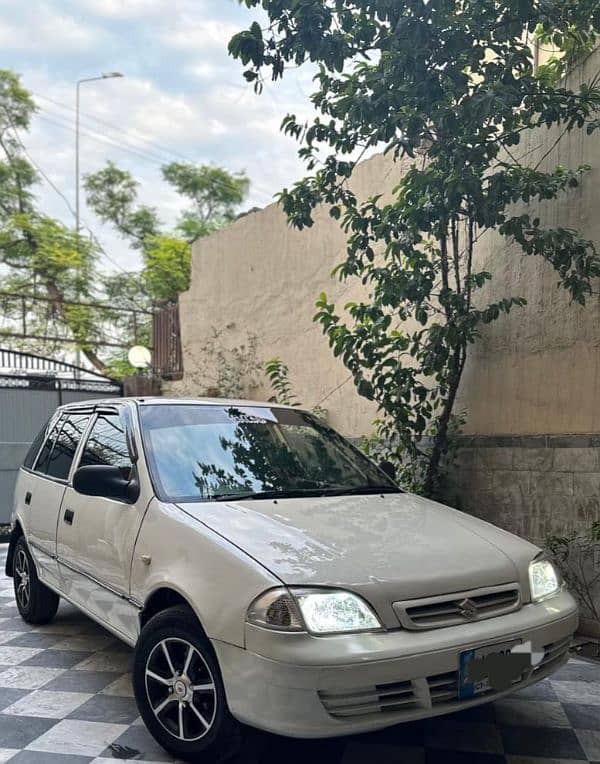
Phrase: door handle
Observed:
(68, 516)
(28, 498)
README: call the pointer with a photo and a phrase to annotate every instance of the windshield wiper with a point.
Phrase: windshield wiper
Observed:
(289, 493)
(361, 489)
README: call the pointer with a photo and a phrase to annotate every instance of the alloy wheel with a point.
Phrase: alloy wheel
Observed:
(181, 689)
(23, 579)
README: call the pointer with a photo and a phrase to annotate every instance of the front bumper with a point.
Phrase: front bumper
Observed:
(305, 686)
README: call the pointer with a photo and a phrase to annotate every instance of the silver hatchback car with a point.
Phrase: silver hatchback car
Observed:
(267, 572)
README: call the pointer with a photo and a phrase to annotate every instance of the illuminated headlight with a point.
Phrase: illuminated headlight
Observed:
(331, 612)
(544, 580)
(319, 611)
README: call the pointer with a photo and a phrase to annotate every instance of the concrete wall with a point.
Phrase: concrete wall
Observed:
(534, 374)
(538, 370)
(260, 277)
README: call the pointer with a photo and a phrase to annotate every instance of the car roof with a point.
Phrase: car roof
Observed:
(160, 401)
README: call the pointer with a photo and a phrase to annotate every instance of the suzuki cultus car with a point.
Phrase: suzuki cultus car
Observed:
(267, 573)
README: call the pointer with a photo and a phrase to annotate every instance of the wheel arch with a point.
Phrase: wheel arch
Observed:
(15, 535)
(162, 598)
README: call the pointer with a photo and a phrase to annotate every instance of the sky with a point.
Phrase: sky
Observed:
(182, 98)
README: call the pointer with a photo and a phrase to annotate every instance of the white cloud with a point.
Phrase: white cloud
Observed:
(200, 34)
(40, 27)
(126, 9)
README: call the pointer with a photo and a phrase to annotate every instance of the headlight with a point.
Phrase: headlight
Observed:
(544, 580)
(319, 611)
(334, 612)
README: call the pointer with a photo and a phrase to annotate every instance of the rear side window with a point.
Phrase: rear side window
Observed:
(65, 445)
(107, 444)
(44, 457)
(35, 447)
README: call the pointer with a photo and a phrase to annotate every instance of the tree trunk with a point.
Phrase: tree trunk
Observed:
(58, 302)
(440, 440)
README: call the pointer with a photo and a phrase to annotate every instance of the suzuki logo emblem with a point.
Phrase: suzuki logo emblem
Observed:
(468, 609)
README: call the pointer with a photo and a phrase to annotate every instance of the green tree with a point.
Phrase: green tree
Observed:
(214, 195)
(39, 255)
(450, 87)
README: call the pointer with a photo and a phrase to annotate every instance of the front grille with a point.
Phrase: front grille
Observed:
(457, 608)
(393, 697)
(401, 699)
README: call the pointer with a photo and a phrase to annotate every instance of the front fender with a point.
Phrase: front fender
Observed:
(177, 551)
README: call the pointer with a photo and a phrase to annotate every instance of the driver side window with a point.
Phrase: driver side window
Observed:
(107, 445)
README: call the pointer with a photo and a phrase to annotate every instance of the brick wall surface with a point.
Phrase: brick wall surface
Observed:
(533, 486)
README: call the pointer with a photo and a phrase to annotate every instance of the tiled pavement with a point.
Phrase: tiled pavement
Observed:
(65, 698)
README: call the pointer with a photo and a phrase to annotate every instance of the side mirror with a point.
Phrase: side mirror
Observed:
(389, 469)
(106, 481)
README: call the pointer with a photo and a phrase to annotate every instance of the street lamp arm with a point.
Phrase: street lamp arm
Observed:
(104, 76)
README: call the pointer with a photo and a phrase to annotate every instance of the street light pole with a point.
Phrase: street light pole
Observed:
(103, 76)
(79, 83)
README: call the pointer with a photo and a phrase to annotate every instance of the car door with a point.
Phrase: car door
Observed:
(96, 535)
(41, 487)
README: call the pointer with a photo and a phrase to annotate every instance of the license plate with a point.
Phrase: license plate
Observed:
(490, 668)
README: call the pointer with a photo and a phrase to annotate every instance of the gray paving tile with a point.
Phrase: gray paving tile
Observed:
(105, 661)
(542, 713)
(539, 691)
(549, 742)
(583, 717)
(10, 695)
(83, 681)
(57, 658)
(107, 708)
(590, 742)
(18, 731)
(34, 639)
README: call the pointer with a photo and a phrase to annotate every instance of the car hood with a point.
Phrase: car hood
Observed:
(387, 548)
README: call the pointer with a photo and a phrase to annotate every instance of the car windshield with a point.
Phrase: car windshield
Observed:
(208, 452)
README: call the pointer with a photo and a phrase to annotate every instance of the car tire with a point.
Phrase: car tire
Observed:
(37, 604)
(180, 693)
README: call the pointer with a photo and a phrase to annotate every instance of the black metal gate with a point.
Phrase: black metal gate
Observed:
(31, 387)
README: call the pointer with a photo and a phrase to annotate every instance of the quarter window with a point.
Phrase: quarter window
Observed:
(65, 445)
(44, 457)
(107, 444)
(35, 447)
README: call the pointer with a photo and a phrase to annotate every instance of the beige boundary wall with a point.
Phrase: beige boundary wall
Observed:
(260, 277)
(533, 377)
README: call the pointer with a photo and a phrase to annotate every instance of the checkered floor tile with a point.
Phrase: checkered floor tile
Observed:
(66, 698)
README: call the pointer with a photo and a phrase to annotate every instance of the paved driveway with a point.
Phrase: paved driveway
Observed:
(65, 698)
